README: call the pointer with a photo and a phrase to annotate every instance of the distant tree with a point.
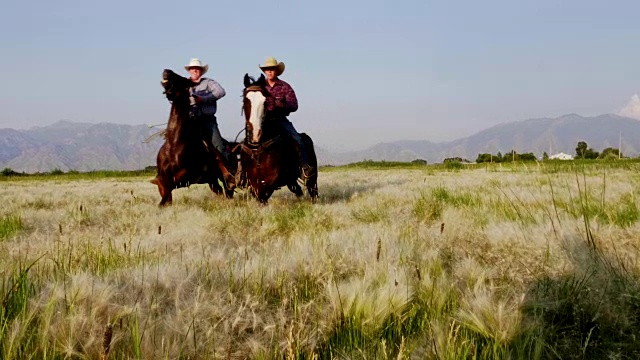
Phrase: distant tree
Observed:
(456, 159)
(510, 156)
(545, 156)
(591, 154)
(484, 158)
(610, 153)
(527, 157)
(419, 161)
(498, 157)
(57, 171)
(581, 149)
(8, 172)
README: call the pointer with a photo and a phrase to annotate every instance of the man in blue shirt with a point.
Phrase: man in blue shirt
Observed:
(204, 97)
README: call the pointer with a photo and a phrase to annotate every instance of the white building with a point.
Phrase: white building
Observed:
(561, 156)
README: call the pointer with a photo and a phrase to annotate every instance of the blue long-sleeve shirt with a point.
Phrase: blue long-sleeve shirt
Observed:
(209, 91)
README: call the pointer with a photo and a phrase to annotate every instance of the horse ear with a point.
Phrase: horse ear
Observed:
(262, 81)
(247, 80)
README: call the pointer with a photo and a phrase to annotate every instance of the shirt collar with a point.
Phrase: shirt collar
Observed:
(277, 83)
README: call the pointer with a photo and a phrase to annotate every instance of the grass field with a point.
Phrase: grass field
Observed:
(490, 261)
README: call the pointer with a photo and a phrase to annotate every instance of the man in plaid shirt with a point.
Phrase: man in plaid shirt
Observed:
(283, 102)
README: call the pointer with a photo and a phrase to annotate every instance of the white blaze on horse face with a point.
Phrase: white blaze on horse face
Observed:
(257, 113)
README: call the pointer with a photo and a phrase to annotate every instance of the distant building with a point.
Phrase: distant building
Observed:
(561, 156)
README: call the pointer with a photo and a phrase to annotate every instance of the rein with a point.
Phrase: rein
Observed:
(251, 147)
(256, 149)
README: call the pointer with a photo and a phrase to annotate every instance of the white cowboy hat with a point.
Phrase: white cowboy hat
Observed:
(195, 62)
(271, 62)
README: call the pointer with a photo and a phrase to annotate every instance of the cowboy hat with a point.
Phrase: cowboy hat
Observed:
(195, 62)
(271, 62)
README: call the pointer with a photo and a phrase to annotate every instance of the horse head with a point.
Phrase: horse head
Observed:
(175, 86)
(254, 97)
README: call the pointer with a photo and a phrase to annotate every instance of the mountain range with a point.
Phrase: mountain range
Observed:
(68, 145)
(550, 135)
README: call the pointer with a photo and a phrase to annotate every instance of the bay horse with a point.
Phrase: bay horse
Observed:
(268, 157)
(185, 158)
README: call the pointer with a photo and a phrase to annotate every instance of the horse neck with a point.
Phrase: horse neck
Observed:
(177, 122)
(269, 129)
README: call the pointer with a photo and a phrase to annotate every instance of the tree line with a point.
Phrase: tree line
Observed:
(583, 151)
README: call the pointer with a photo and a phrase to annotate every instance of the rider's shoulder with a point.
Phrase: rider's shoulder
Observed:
(207, 80)
(284, 83)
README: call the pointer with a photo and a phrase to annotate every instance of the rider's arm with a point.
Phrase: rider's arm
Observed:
(214, 92)
(291, 101)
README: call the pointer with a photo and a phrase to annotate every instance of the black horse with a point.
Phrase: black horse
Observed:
(268, 156)
(186, 158)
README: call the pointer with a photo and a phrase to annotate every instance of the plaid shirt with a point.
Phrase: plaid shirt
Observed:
(283, 98)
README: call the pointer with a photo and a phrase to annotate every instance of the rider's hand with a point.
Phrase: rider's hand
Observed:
(197, 99)
(193, 100)
(281, 103)
(269, 104)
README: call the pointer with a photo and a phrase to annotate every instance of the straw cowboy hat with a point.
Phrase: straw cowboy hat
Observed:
(195, 62)
(271, 62)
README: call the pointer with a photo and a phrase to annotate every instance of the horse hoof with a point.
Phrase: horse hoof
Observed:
(229, 182)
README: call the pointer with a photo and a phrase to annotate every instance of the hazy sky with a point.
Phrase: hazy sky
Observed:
(364, 71)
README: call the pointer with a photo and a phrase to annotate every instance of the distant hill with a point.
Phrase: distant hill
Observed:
(79, 146)
(536, 135)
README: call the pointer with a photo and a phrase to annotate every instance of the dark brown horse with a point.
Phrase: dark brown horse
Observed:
(185, 158)
(268, 157)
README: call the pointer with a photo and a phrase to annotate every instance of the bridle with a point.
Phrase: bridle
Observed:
(251, 148)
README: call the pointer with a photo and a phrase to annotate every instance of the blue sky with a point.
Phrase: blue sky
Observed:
(364, 71)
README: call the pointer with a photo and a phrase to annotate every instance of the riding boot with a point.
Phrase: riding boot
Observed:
(307, 170)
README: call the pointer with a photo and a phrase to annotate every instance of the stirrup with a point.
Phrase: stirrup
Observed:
(306, 171)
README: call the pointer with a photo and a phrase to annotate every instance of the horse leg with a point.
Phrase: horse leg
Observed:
(180, 176)
(227, 178)
(218, 190)
(165, 192)
(312, 188)
(215, 187)
(264, 196)
(295, 188)
(166, 183)
(312, 182)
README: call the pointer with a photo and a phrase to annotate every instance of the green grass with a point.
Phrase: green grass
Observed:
(377, 165)
(473, 262)
(75, 175)
(370, 215)
(10, 225)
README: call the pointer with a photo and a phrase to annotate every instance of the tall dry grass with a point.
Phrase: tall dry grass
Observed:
(491, 262)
